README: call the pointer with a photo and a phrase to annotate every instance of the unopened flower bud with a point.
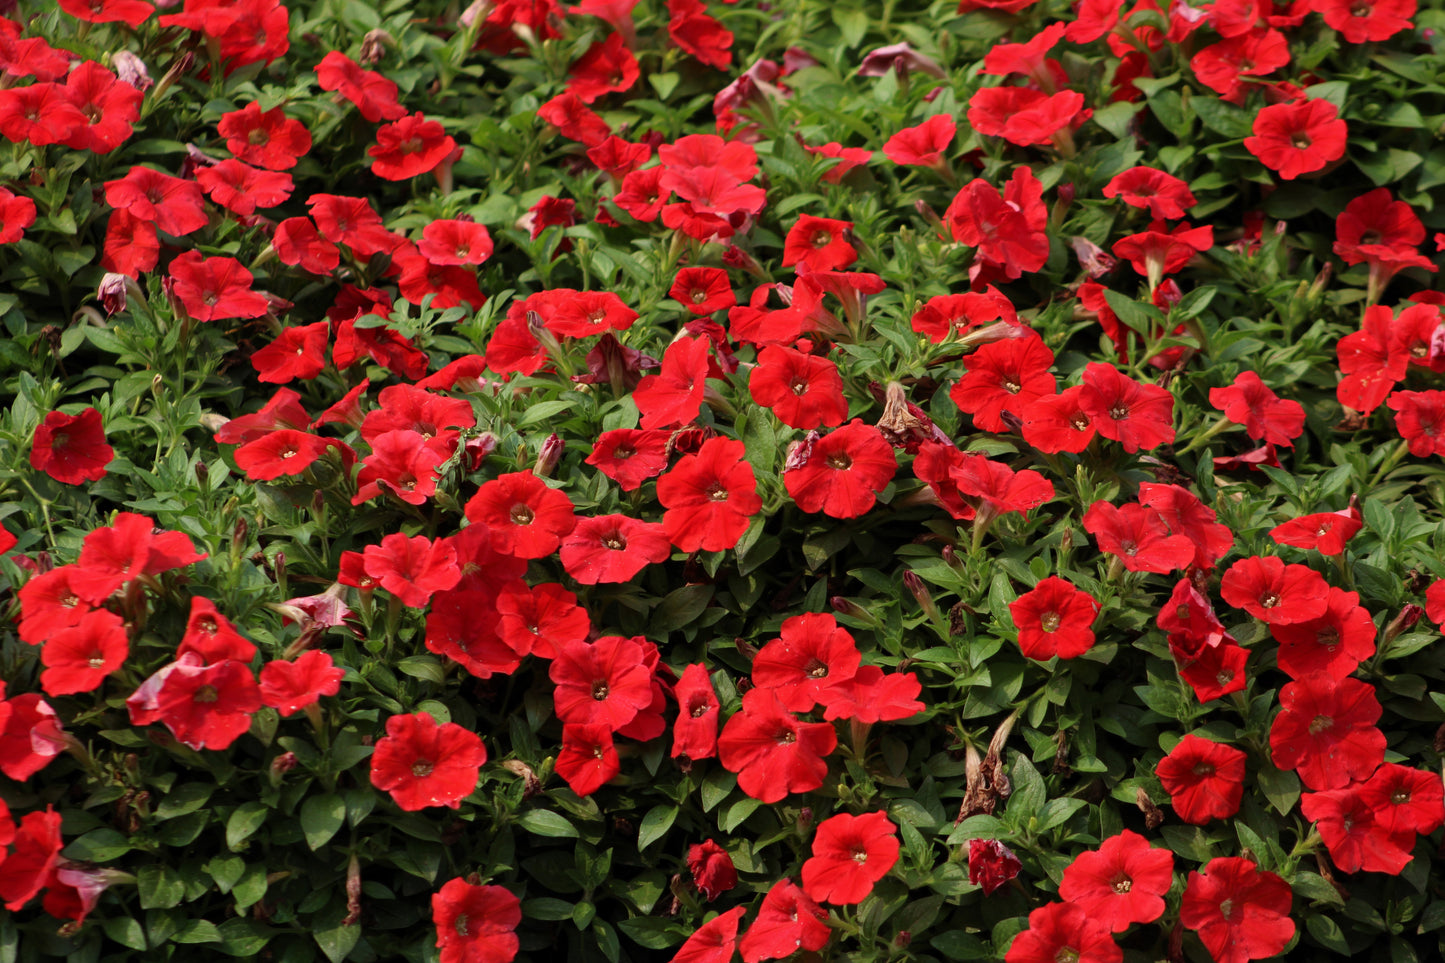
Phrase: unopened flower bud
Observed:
(1408, 616)
(373, 47)
(112, 292)
(920, 593)
(283, 763)
(130, 69)
(548, 456)
(1153, 815)
(847, 607)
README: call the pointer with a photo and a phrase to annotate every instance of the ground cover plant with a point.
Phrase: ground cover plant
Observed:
(698, 481)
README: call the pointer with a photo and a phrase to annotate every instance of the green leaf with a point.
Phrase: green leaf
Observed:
(244, 821)
(652, 932)
(1327, 932)
(1029, 791)
(321, 817)
(1144, 318)
(681, 607)
(225, 871)
(1189, 842)
(737, 813)
(185, 798)
(98, 846)
(160, 887)
(547, 909)
(338, 941)
(544, 822)
(425, 667)
(197, 931)
(655, 824)
(716, 786)
(1280, 788)
(125, 931)
(852, 23)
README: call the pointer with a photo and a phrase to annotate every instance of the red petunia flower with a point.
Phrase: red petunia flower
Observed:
(871, 696)
(588, 759)
(296, 353)
(1420, 419)
(527, 517)
(802, 390)
(1064, 931)
(215, 288)
(819, 244)
(630, 456)
(991, 864)
(422, 763)
(1403, 799)
(1369, 367)
(125, 550)
(476, 924)
(812, 661)
(1268, 589)
(289, 687)
(111, 108)
(773, 753)
(132, 13)
(710, 497)
(850, 855)
(409, 146)
(575, 121)
(1186, 515)
(171, 204)
(80, 656)
(412, 569)
(1360, 21)
(1346, 822)
(1024, 116)
(1007, 229)
(954, 315)
(840, 473)
(281, 453)
(1326, 731)
(32, 862)
(71, 448)
(924, 145)
(1055, 423)
(204, 706)
(1327, 532)
(297, 242)
(1004, 376)
(1122, 882)
(1162, 195)
(266, 139)
(788, 921)
(612, 548)
(1265, 417)
(712, 869)
(241, 188)
(694, 32)
(30, 736)
(607, 66)
(1298, 137)
(1333, 643)
(1054, 619)
(674, 395)
(714, 941)
(581, 314)
(703, 290)
(1240, 912)
(16, 214)
(455, 242)
(694, 734)
(1138, 537)
(1157, 252)
(1138, 416)
(212, 636)
(403, 463)
(374, 95)
(1204, 779)
(601, 683)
